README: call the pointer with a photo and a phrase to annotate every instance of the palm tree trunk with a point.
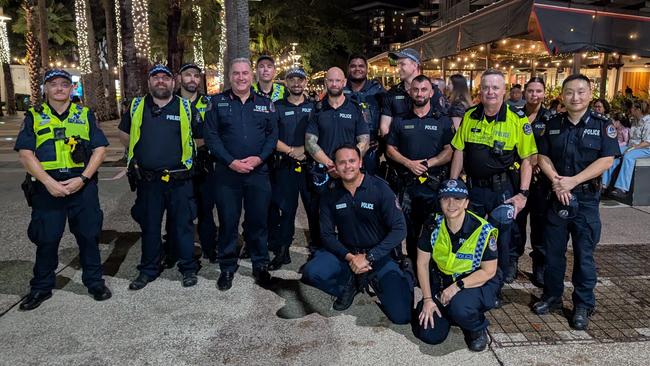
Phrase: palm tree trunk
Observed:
(97, 98)
(174, 47)
(243, 29)
(133, 80)
(33, 61)
(111, 60)
(9, 87)
(43, 34)
(231, 40)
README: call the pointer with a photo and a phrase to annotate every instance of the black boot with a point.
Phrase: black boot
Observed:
(580, 319)
(281, 258)
(512, 271)
(347, 297)
(478, 340)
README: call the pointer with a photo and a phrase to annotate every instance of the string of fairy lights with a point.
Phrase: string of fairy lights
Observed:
(120, 59)
(140, 15)
(82, 36)
(222, 43)
(5, 57)
(197, 39)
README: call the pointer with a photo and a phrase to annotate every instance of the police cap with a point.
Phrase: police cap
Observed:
(453, 188)
(56, 73)
(159, 68)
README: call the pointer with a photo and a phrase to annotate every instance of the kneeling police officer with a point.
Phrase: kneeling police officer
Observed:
(361, 224)
(61, 148)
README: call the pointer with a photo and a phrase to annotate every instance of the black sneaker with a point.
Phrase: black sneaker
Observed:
(346, 299)
(580, 320)
(478, 341)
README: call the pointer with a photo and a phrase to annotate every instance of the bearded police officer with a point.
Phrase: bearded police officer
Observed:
(159, 131)
(577, 147)
(493, 146)
(289, 172)
(61, 147)
(368, 94)
(336, 120)
(419, 144)
(361, 225)
(241, 133)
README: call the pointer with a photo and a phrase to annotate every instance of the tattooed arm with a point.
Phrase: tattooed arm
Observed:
(362, 143)
(312, 147)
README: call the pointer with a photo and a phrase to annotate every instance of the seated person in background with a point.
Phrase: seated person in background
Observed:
(622, 125)
(463, 276)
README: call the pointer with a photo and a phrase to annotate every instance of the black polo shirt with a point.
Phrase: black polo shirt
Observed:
(470, 225)
(159, 146)
(572, 148)
(371, 219)
(336, 126)
(370, 98)
(397, 101)
(26, 139)
(236, 129)
(420, 137)
(293, 121)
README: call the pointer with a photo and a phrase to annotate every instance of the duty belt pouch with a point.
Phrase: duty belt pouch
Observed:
(28, 186)
(133, 174)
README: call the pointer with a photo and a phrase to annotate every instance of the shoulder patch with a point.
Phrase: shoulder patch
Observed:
(528, 129)
(611, 131)
(492, 242)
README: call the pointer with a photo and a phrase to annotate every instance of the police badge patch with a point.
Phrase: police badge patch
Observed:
(452, 184)
(492, 242)
(611, 131)
(528, 129)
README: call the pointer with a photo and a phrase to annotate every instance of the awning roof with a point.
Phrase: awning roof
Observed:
(563, 29)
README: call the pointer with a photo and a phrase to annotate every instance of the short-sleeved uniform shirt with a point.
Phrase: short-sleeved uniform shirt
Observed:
(26, 139)
(573, 147)
(159, 146)
(397, 101)
(371, 219)
(236, 129)
(419, 138)
(640, 132)
(370, 99)
(293, 121)
(336, 126)
(470, 224)
(478, 134)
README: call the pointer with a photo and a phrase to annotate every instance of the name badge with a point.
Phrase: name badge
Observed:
(223, 104)
(399, 97)
(554, 132)
(341, 206)
(409, 127)
(288, 113)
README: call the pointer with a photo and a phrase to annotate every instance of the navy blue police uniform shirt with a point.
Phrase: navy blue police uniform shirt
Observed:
(371, 94)
(572, 148)
(418, 138)
(397, 101)
(236, 129)
(539, 124)
(470, 224)
(293, 121)
(159, 146)
(336, 126)
(26, 139)
(371, 220)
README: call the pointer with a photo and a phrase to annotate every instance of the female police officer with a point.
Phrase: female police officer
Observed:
(463, 277)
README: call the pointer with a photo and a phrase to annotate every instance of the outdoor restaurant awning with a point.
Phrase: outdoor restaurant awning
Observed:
(563, 27)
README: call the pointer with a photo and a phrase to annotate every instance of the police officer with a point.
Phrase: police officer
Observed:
(159, 131)
(204, 179)
(540, 191)
(493, 146)
(396, 101)
(241, 133)
(336, 120)
(577, 147)
(265, 70)
(61, 147)
(289, 171)
(361, 224)
(368, 94)
(419, 143)
(462, 277)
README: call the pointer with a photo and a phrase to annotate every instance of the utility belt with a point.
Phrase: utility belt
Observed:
(283, 161)
(590, 186)
(498, 182)
(204, 161)
(135, 173)
(432, 180)
(28, 186)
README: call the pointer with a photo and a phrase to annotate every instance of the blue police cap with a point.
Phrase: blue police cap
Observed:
(503, 214)
(296, 71)
(264, 57)
(56, 73)
(157, 69)
(406, 53)
(566, 211)
(189, 65)
(453, 188)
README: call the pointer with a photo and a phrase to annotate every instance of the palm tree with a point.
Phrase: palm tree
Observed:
(111, 60)
(32, 46)
(6, 71)
(134, 66)
(237, 33)
(42, 34)
(174, 47)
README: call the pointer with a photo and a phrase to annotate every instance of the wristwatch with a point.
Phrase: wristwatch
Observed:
(460, 284)
(84, 179)
(524, 192)
(370, 258)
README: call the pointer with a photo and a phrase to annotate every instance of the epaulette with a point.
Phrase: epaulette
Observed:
(597, 115)
(518, 111)
(38, 108)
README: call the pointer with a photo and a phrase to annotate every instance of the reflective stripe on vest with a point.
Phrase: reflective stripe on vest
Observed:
(187, 143)
(277, 91)
(53, 153)
(468, 257)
